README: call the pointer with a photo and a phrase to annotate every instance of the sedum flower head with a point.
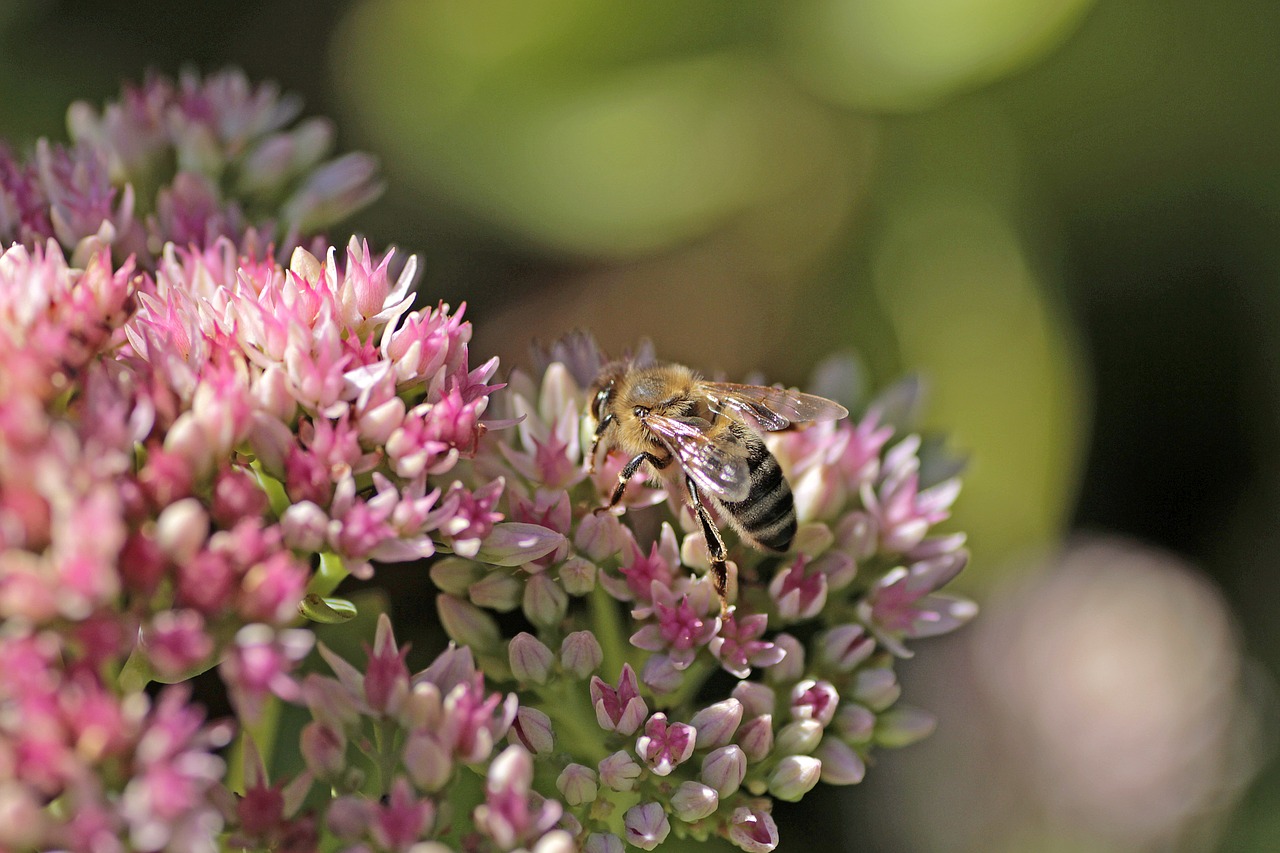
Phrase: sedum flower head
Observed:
(640, 632)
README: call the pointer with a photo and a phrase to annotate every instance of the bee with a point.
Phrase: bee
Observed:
(666, 413)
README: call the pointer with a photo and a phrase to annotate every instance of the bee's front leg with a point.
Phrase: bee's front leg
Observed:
(595, 443)
(715, 546)
(625, 475)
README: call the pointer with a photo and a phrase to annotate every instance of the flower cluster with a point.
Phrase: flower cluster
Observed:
(198, 443)
(186, 162)
(415, 738)
(625, 635)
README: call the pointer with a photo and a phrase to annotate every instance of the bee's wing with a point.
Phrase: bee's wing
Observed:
(772, 408)
(719, 467)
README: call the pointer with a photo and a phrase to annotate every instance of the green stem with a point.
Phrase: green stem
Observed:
(332, 572)
(263, 731)
(274, 489)
(578, 734)
(607, 626)
(384, 736)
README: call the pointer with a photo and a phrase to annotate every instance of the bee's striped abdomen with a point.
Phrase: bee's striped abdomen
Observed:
(768, 515)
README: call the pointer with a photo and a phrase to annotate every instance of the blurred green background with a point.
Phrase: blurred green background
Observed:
(1063, 213)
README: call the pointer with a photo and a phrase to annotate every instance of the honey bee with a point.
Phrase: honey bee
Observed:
(667, 413)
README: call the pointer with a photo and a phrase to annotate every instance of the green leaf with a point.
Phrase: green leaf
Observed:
(327, 610)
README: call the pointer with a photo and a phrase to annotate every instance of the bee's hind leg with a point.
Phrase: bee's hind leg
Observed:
(715, 546)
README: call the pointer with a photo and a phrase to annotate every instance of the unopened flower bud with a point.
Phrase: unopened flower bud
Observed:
(839, 568)
(791, 667)
(429, 763)
(455, 575)
(236, 495)
(22, 817)
(532, 730)
(577, 784)
(877, 688)
(545, 601)
(602, 842)
(646, 825)
(693, 801)
(580, 654)
(349, 817)
(324, 749)
(794, 776)
(182, 529)
(717, 723)
(846, 646)
(756, 698)
(530, 659)
(857, 534)
(756, 737)
(855, 723)
(661, 675)
(500, 591)
(467, 624)
(513, 543)
(600, 536)
(724, 769)
(904, 726)
(841, 765)
(619, 771)
(798, 738)
(578, 576)
(305, 526)
(559, 840)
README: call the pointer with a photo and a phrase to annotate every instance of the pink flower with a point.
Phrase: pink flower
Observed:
(681, 627)
(903, 512)
(664, 747)
(474, 721)
(473, 516)
(738, 646)
(261, 662)
(512, 815)
(176, 641)
(800, 590)
(386, 677)
(167, 800)
(403, 819)
(641, 572)
(903, 602)
(619, 709)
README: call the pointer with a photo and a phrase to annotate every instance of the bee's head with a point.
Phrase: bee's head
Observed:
(603, 389)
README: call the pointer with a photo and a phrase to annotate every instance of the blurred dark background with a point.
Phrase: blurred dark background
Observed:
(1063, 213)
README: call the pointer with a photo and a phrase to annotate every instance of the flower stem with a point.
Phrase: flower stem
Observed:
(263, 732)
(332, 572)
(578, 734)
(607, 627)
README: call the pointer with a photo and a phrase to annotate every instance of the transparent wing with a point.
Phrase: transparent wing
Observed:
(772, 408)
(717, 466)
